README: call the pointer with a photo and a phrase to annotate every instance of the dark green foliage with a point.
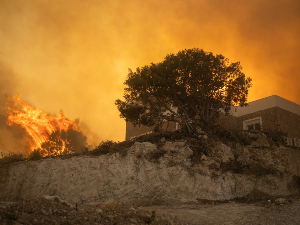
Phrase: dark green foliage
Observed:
(193, 81)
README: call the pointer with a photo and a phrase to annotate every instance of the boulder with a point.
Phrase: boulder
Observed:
(142, 148)
(203, 157)
(279, 201)
(261, 142)
(224, 153)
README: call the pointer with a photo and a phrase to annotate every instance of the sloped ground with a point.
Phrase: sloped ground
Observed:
(188, 181)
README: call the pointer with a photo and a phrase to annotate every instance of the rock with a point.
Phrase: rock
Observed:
(279, 201)
(57, 199)
(244, 155)
(199, 131)
(169, 216)
(142, 148)
(163, 139)
(133, 221)
(224, 152)
(179, 150)
(203, 157)
(44, 212)
(133, 209)
(261, 141)
(98, 211)
(216, 165)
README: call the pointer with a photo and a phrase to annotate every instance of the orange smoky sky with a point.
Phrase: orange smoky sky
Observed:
(74, 55)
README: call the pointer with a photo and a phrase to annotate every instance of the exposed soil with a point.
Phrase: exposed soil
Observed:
(43, 211)
(256, 208)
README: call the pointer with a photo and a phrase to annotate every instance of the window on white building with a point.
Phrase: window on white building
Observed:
(253, 124)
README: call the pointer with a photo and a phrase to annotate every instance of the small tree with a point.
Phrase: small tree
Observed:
(63, 142)
(189, 88)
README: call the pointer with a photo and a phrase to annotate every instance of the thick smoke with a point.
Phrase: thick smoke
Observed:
(12, 138)
(74, 55)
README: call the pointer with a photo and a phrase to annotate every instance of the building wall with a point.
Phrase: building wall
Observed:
(266, 103)
(271, 118)
(229, 122)
(132, 130)
(289, 122)
(272, 111)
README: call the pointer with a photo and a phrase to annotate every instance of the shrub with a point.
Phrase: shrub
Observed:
(36, 154)
(277, 136)
(111, 147)
(120, 147)
(11, 157)
(103, 147)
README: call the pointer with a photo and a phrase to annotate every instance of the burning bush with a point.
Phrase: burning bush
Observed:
(47, 134)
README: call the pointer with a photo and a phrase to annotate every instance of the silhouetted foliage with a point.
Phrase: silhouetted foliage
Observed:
(36, 154)
(196, 83)
(106, 147)
(11, 157)
(61, 142)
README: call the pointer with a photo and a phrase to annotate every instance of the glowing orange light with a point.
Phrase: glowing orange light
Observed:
(38, 124)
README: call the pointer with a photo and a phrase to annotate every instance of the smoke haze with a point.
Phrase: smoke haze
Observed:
(74, 55)
(12, 138)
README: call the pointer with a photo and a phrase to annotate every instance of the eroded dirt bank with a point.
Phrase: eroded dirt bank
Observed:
(151, 174)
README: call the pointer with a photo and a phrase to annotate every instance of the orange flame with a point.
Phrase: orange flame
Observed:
(37, 124)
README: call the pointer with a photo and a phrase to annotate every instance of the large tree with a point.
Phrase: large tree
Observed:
(190, 88)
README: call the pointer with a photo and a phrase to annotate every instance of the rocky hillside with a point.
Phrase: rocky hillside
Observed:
(157, 173)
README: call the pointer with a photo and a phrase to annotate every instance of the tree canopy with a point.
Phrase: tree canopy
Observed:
(190, 88)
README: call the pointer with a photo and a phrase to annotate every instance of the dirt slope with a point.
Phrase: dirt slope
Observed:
(148, 173)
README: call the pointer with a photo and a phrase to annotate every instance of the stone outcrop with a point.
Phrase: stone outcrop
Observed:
(143, 176)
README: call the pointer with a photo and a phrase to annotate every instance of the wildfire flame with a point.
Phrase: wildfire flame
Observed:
(38, 124)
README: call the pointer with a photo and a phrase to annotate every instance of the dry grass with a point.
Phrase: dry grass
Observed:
(11, 158)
